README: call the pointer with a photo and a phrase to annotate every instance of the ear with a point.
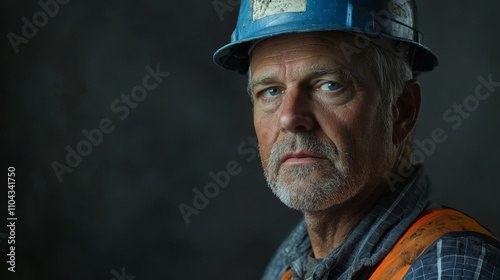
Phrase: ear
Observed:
(405, 111)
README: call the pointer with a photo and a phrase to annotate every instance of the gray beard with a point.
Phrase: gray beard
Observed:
(307, 187)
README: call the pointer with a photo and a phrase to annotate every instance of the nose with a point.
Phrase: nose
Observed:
(296, 115)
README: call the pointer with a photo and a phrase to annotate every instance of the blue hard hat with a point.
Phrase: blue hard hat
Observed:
(390, 19)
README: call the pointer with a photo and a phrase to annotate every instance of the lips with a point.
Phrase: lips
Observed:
(301, 157)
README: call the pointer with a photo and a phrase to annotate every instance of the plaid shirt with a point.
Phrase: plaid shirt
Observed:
(462, 255)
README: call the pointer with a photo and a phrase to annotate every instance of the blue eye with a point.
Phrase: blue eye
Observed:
(271, 92)
(331, 86)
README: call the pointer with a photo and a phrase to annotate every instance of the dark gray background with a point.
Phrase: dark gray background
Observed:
(118, 208)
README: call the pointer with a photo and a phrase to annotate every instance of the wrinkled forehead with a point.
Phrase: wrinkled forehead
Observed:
(317, 49)
(347, 43)
(347, 51)
(294, 43)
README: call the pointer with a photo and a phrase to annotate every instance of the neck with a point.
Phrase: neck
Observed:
(328, 228)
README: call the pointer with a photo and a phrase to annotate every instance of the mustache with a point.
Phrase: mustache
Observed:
(301, 142)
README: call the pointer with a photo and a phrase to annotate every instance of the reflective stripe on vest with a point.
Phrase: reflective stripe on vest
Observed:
(425, 230)
(428, 228)
(288, 275)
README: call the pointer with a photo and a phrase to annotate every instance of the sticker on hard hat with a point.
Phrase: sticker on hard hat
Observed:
(264, 8)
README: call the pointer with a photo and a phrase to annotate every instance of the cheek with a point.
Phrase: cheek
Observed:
(263, 125)
(352, 129)
(366, 117)
(374, 135)
(341, 125)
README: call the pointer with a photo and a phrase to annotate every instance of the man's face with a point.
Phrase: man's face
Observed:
(318, 121)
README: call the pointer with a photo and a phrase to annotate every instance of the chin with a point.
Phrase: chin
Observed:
(307, 197)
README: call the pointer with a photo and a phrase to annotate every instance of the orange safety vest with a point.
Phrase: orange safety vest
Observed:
(427, 228)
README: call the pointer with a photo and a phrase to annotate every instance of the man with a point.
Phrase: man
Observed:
(335, 106)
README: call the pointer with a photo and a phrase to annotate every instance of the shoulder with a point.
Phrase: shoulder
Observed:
(294, 246)
(459, 255)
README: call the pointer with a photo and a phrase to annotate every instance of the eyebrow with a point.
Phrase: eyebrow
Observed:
(314, 71)
(341, 71)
